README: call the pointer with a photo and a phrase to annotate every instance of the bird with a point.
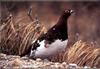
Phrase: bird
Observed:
(54, 40)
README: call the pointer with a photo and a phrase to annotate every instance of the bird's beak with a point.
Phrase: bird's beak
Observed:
(71, 11)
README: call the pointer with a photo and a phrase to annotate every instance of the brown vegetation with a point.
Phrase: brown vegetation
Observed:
(17, 37)
(83, 54)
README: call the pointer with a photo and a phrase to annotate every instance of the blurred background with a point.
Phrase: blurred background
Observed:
(84, 24)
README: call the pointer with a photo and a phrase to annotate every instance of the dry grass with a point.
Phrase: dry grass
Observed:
(82, 53)
(57, 58)
(16, 37)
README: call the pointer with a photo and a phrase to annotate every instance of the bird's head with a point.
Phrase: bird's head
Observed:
(67, 13)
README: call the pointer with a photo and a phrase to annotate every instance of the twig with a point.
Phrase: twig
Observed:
(30, 13)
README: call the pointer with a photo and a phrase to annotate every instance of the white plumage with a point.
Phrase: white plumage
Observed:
(52, 49)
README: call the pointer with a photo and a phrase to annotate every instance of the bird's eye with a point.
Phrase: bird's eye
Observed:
(68, 11)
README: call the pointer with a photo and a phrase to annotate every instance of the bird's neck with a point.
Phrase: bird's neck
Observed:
(63, 23)
(63, 20)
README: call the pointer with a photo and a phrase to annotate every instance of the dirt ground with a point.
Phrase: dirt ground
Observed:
(12, 62)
